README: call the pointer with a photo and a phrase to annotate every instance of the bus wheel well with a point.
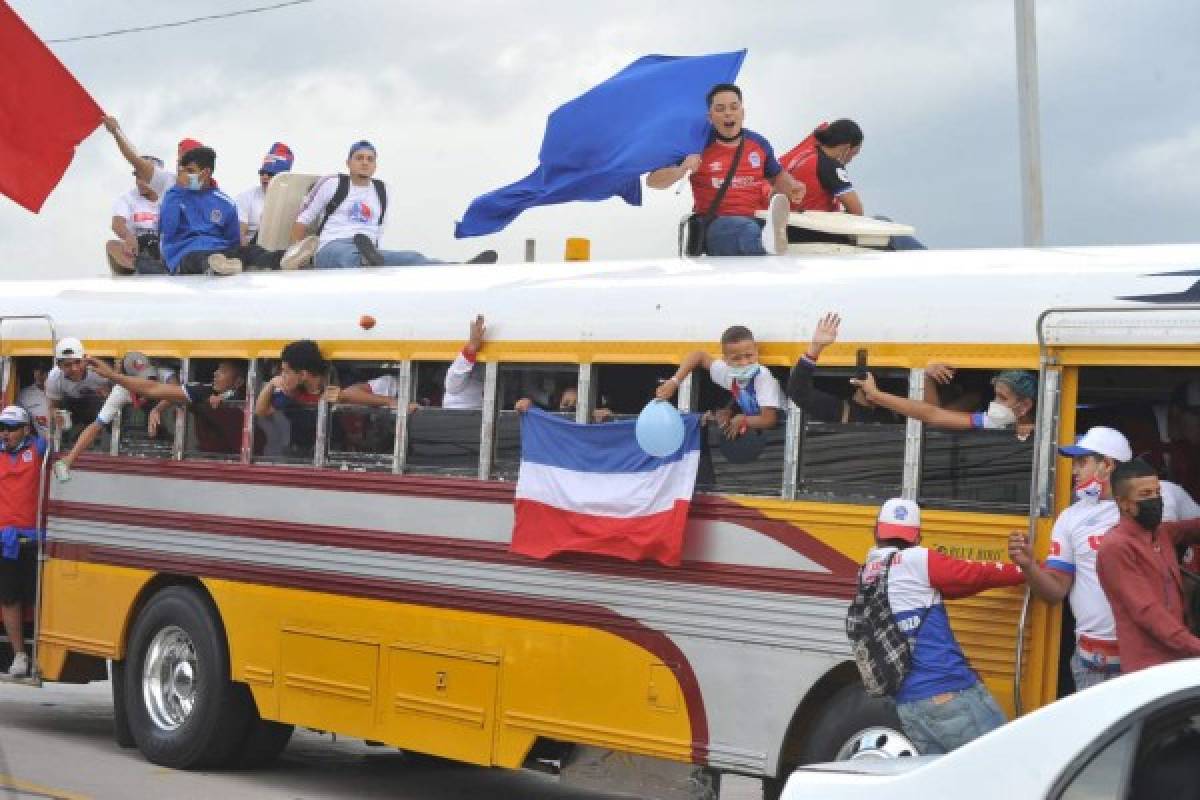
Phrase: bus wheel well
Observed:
(155, 585)
(844, 674)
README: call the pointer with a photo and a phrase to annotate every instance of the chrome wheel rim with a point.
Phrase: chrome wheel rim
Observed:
(877, 742)
(169, 678)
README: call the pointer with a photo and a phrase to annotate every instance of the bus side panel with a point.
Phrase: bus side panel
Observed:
(455, 683)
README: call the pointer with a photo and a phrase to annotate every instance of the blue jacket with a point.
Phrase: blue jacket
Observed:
(189, 221)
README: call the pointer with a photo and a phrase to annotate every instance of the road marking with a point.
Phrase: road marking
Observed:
(9, 783)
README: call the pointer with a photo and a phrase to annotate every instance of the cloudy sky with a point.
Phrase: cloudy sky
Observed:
(455, 94)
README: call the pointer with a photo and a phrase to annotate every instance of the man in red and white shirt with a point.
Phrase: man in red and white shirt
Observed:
(734, 230)
(135, 223)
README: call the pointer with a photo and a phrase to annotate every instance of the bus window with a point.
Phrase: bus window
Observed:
(363, 436)
(132, 427)
(623, 390)
(976, 469)
(751, 465)
(548, 386)
(441, 441)
(214, 427)
(849, 450)
(289, 434)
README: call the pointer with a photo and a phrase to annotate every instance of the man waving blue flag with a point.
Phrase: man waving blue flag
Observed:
(600, 144)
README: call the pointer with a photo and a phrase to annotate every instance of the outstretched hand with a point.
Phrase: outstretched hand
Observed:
(101, 368)
(826, 332)
(477, 330)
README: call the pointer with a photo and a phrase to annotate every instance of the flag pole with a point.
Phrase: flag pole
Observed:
(1032, 222)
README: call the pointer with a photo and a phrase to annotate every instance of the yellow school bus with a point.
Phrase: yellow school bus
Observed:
(350, 570)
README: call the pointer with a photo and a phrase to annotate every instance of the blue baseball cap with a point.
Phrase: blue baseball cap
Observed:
(1021, 381)
(278, 159)
(361, 144)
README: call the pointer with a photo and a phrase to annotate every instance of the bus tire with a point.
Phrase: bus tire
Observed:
(183, 710)
(121, 732)
(850, 724)
(265, 739)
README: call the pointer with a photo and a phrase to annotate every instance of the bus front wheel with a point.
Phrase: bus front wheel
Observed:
(183, 710)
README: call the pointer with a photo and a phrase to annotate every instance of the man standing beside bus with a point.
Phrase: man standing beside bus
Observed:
(21, 455)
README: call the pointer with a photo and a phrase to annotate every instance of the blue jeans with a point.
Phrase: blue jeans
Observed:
(946, 722)
(341, 253)
(734, 236)
(1086, 678)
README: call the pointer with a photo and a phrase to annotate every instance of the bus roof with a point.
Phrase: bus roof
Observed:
(950, 296)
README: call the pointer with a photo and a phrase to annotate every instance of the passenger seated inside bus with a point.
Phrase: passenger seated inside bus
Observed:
(31, 378)
(820, 405)
(293, 395)
(757, 397)
(464, 378)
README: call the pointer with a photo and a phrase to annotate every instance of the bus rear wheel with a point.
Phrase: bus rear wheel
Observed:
(182, 709)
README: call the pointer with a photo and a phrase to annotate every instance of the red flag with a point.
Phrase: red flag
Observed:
(44, 114)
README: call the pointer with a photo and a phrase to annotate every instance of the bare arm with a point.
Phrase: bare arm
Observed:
(143, 168)
(851, 202)
(1048, 584)
(143, 387)
(262, 403)
(668, 176)
(359, 394)
(692, 360)
(299, 231)
(784, 183)
(914, 409)
(83, 443)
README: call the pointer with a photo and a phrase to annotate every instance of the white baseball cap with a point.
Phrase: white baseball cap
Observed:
(1100, 441)
(68, 347)
(899, 519)
(14, 415)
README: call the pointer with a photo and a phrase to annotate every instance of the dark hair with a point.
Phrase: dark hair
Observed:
(303, 355)
(838, 132)
(736, 333)
(722, 87)
(202, 157)
(1127, 471)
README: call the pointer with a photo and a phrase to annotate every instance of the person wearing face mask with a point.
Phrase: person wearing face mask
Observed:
(198, 222)
(135, 223)
(21, 455)
(757, 397)
(1070, 570)
(1013, 406)
(1140, 574)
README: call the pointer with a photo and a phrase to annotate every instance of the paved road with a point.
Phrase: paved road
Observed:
(57, 742)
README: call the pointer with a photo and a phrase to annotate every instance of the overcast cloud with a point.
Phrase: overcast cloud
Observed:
(455, 95)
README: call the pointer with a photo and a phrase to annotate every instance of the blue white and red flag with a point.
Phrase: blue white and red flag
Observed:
(592, 489)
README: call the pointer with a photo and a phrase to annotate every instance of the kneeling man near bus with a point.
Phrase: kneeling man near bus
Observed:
(942, 703)
(21, 454)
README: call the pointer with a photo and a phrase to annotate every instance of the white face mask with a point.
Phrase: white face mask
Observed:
(744, 374)
(1000, 415)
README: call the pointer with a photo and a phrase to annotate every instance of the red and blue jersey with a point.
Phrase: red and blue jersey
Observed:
(918, 581)
(756, 168)
(19, 474)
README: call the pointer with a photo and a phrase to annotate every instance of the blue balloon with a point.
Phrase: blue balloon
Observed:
(659, 429)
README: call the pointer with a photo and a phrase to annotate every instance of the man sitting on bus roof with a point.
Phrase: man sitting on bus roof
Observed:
(296, 391)
(351, 209)
(199, 222)
(250, 208)
(135, 224)
(21, 454)
(1013, 407)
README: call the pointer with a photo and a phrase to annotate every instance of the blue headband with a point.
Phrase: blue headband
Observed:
(362, 144)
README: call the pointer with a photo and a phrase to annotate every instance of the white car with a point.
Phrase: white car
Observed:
(1136, 737)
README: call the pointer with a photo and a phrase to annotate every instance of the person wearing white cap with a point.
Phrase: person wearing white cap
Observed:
(71, 387)
(942, 703)
(21, 454)
(1070, 570)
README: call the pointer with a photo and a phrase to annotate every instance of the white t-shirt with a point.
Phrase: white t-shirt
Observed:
(766, 388)
(250, 208)
(384, 385)
(1075, 541)
(58, 386)
(33, 399)
(117, 399)
(161, 181)
(358, 213)
(140, 214)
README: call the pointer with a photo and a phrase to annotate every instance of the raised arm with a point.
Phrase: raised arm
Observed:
(143, 387)
(800, 379)
(914, 409)
(141, 166)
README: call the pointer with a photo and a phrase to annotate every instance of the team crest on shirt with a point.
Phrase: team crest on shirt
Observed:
(215, 216)
(361, 213)
(27, 456)
(755, 160)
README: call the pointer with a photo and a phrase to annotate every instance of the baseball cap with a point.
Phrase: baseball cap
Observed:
(186, 145)
(14, 415)
(899, 519)
(68, 347)
(138, 366)
(361, 144)
(1022, 381)
(1100, 441)
(278, 159)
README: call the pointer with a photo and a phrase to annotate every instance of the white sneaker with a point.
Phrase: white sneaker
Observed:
(19, 667)
(223, 265)
(299, 254)
(775, 232)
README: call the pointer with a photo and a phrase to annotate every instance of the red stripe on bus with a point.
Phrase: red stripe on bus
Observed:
(454, 598)
(732, 576)
(704, 507)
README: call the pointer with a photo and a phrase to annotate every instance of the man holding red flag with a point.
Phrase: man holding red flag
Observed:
(44, 114)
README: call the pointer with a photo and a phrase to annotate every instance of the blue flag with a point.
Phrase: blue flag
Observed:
(649, 115)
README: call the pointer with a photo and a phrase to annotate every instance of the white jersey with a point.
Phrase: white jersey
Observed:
(1075, 541)
(161, 181)
(58, 386)
(384, 386)
(358, 213)
(33, 399)
(250, 208)
(139, 213)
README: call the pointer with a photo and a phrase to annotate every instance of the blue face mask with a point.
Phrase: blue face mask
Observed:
(193, 181)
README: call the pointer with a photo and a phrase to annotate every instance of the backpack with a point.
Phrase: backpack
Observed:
(881, 650)
(343, 191)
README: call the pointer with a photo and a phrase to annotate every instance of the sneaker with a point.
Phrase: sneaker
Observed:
(371, 257)
(486, 257)
(19, 667)
(775, 240)
(299, 254)
(219, 264)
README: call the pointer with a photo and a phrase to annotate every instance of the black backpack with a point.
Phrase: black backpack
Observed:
(343, 191)
(881, 650)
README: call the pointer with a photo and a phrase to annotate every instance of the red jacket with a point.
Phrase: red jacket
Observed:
(1140, 574)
